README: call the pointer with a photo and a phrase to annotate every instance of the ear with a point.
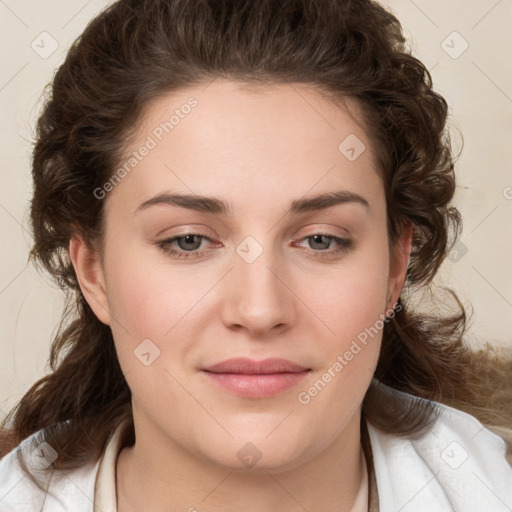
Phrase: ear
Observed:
(90, 275)
(398, 265)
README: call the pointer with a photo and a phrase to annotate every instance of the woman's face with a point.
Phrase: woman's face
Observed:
(275, 274)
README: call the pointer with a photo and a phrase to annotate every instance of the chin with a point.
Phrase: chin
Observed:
(261, 453)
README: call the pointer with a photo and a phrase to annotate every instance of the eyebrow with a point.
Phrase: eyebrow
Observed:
(218, 206)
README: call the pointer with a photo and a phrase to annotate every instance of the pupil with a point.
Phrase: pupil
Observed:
(187, 240)
(315, 237)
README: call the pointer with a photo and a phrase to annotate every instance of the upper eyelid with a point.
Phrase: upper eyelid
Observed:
(210, 234)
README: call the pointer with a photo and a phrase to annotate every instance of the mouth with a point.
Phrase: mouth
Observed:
(256, 379)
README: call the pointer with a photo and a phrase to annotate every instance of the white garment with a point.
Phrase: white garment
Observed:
(457, 466)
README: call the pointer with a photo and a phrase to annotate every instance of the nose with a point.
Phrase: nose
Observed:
(257, 294)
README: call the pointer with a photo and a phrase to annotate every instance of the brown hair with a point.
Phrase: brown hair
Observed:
(137, 50)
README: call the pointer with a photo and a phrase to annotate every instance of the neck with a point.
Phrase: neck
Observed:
(157, 473)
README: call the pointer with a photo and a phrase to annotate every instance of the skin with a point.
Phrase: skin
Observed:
(259, 148)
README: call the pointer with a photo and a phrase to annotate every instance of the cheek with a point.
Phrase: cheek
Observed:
(153, 299)
(353, 309)
(138, 309)
(354, 298)
(355, 320)
(147, 294)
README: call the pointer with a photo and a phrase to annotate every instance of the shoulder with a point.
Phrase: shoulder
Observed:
(457, 464)
(62, 490)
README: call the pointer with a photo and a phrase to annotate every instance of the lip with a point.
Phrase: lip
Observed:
(256, 379)
(248, 366)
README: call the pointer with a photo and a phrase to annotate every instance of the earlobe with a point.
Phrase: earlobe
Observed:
(90, 275)
(399, 264)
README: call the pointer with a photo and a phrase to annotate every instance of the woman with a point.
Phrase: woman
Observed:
(237, 197)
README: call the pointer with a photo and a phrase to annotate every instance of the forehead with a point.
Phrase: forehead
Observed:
(226, 103)
(234, 138)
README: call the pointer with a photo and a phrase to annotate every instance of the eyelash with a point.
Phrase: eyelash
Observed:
(344, 246)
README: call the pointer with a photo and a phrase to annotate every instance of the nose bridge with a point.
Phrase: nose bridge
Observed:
(258, 297)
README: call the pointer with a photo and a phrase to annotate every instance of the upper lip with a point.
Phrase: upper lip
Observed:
(247, 366)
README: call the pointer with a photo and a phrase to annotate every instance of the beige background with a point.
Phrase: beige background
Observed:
(477, 84)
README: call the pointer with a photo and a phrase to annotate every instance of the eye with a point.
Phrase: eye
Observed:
(319, 241)
(185, 249)
(187, 245)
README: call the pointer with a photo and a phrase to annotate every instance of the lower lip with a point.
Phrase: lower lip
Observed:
(257, 386)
